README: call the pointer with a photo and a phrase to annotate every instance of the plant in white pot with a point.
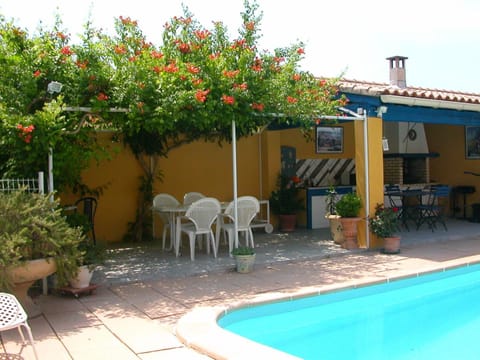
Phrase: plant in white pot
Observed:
(35, 241)
(244, 258)
(93, 255)
(331, 214)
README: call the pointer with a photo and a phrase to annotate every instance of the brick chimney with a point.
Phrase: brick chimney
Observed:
(397, 71)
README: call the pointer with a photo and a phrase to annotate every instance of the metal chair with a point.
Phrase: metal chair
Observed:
(159, 201)
(198, 220)
(191, 197)
(13, 316)
(88, 207)
(247, 208)
(396, 201)
(433, 211)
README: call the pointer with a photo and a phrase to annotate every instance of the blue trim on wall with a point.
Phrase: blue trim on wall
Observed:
(396, 112)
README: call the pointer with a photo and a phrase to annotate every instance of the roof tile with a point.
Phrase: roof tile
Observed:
(377, 89)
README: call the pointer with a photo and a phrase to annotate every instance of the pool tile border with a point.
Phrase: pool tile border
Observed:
(198, 329)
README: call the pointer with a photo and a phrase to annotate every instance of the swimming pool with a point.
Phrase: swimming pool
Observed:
(434, 316)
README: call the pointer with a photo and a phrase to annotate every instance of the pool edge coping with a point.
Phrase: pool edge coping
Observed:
(199, 330)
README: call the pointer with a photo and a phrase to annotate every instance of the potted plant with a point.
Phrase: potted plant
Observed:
(348, 207)
(93, 255)
(35, 241)
(244, 258)
(385, 224)
(285, 201)
(331, 214)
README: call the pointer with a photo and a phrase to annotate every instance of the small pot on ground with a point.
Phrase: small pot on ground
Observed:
(287, 223)
(244, 259)
(83, 278)
(336, 229)
(391, 245)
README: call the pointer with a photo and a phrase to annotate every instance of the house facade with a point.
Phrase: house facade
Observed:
(431, 134)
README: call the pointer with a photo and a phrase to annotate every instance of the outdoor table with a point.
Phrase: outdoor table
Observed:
(175, 211)
(410, 199)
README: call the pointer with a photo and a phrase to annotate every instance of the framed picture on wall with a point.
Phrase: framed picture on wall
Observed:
(329, 139)
(472, 142)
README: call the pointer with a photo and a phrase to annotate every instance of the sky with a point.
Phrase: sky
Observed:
(351, 38)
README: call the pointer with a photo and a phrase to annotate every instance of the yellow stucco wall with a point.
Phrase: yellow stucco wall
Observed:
(449, 167)
(199, 166)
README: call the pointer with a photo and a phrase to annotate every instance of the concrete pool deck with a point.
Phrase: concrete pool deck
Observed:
(143, 292)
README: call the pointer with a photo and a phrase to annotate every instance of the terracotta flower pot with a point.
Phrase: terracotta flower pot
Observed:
(287, 222)
(391, 245)
(349, 230)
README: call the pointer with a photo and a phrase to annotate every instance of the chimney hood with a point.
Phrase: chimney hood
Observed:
(406, 139)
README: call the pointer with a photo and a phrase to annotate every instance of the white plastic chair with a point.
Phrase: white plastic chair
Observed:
(247, 208)
(198, 220)
(191, 197)
(159, 201)
(13, 316)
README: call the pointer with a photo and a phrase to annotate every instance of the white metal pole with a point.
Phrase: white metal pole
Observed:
(41, 185)
(50, 173)
(234, 160)
(367, 178)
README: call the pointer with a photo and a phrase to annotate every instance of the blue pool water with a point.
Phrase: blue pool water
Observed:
(435, 316)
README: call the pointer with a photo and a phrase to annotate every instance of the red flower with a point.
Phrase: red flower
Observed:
(184, 48)
(37, 73)
(171, 68)
(66, 51)
(202, 34)
(300, 51)
(157, 69)
(296, 179)
(82, 64)
(297, 77)
(242, 86)
(229, 100)
(238, 43)
(231, 74)
(250, 26)
(61, 35)
(214, 56)
(197, 82)
(258, 107)
(102, 97)
(291, 99)
(128, 21)
(192, 69)
(201, 95)
(156, 55)
(120, 49)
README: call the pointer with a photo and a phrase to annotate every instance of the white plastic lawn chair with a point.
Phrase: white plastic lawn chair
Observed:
(13, 316)
(164, 201)
(247, 208)
(198, 220)
(191, 197)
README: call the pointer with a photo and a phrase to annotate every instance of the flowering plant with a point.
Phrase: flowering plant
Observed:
(385, 221)
(285, 200)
